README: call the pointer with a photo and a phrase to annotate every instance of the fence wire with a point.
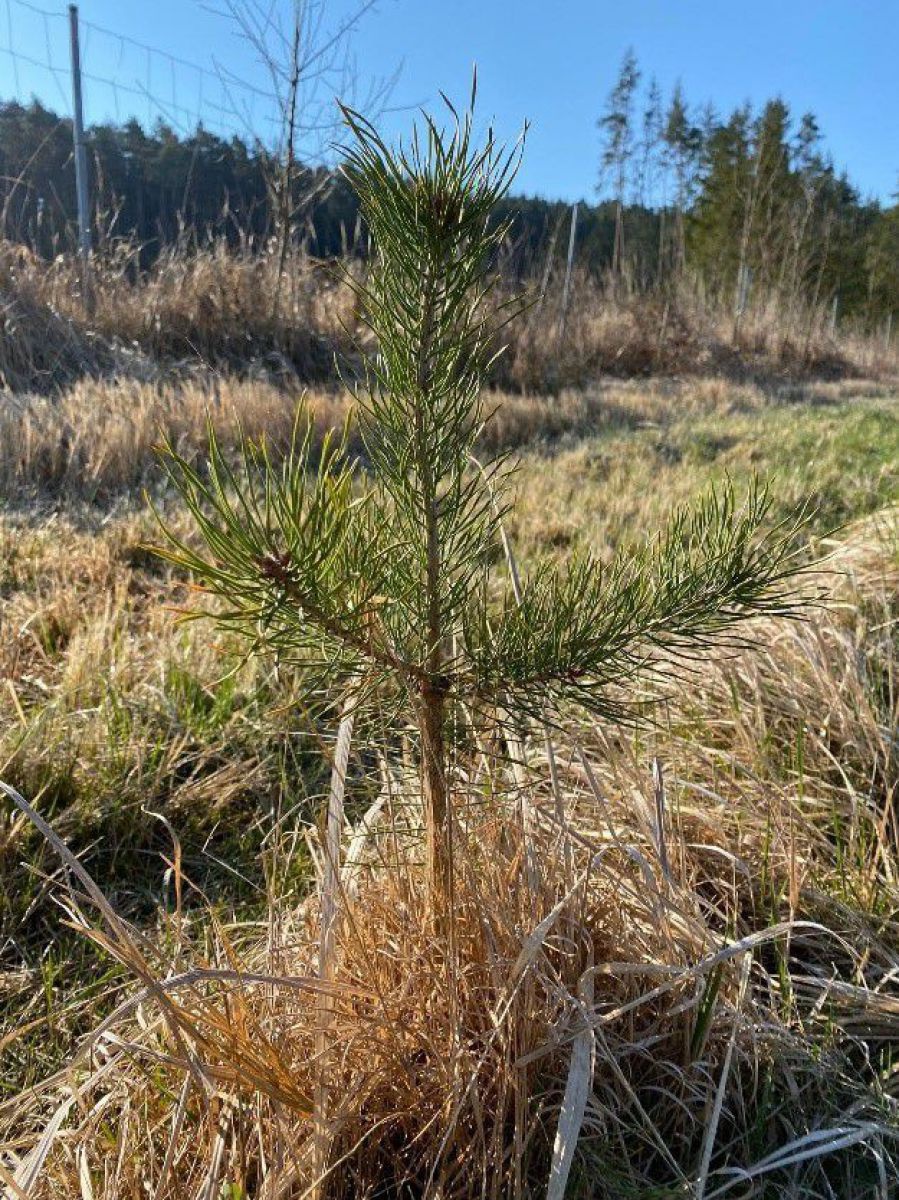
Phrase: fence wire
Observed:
(125, 78)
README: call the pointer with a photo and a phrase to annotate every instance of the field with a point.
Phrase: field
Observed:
(744, 891)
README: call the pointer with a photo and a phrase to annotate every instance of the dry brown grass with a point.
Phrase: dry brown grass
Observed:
(94, 441)
(216, 306)
(721, 951)
(213, 306)
(680, 331)
(719, 947)
(97, 440)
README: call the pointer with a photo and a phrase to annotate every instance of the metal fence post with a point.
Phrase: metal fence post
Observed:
(567, 287)
(84, 223)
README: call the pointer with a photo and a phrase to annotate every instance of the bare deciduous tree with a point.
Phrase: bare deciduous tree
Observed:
(310, 63)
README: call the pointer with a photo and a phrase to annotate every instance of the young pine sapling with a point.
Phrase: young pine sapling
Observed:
(379, 576)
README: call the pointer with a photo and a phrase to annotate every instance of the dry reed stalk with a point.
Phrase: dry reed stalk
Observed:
(329, 903)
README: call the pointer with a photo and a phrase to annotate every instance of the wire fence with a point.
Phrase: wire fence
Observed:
(130, 183)
(127, 78)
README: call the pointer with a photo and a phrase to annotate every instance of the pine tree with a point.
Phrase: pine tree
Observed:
(380, 582)
(882, 261)
(617, 125)
(770, 195)
(718, 218)
(683, 145)
(650, 166)
(810, 222)
(651, 140)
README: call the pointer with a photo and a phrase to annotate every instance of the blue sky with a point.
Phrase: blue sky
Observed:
(550, 63)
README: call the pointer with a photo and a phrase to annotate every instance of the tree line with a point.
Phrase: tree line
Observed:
(153, 186)
(747, 201)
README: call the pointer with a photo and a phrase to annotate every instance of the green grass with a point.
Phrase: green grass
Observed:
(841, 457)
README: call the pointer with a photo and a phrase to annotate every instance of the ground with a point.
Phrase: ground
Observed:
(141, 737)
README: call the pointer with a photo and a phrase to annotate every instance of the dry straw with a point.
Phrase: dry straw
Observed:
(473, 1077)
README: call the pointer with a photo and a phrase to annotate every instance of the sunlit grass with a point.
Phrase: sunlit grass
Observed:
(780, 768)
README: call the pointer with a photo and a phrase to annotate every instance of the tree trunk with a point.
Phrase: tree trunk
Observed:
(432, 701)
(618, 245)
(285, 197)
(434, 792)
